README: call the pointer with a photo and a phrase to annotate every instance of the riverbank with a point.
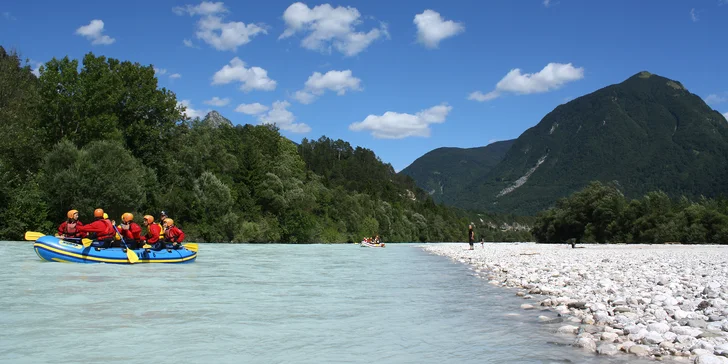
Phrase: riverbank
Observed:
(646, 300)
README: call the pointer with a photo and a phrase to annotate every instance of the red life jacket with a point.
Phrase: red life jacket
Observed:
(109, 233)
(70, 228)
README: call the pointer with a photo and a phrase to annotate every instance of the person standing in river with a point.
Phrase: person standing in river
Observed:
(471, 236)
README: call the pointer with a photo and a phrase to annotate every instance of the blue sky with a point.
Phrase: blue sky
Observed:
(399, 77)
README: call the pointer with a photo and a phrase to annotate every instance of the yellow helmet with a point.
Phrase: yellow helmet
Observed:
(71, 213)
(99, 213)
(149, 218)
(126, 217)
(169, 222)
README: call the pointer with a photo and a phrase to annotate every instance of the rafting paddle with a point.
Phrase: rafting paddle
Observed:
(130, 254)
(190, 247)
(33, 235)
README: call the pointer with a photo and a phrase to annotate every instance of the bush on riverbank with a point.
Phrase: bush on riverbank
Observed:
(601, 214)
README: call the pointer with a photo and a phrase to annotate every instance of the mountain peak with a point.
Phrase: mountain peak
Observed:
(215, 120)
(646, 75)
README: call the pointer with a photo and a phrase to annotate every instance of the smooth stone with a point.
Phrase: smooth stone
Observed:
(706, 334)
(609, 337)
(567, 329)
(653, 338)
(527, 306)
(684, 330)
(622, 309)
(669, 336)
(607, 349)
(639, 350)
(586, 343)
(578, 305)
(697, 323)
(658, 327)
(710, 359)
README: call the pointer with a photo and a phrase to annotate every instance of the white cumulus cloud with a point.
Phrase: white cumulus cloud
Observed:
(252, 109)
(93, 32)
(394, 125)
(35, 67)
(336, 81)
(551, 77)
(725, 115)
(713, 99)
(189, 111)
(213, 30)
(216, 101)
(175, 76)
(204, 8)
(253, 78)
(432, 28)
(330, 27)
(160, 71)
(283, 118)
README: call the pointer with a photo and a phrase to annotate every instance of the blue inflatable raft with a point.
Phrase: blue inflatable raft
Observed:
(53, 249)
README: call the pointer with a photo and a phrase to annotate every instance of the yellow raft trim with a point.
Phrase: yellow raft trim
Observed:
(105, 260)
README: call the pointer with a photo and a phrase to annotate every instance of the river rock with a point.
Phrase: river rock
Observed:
(586, 343)
(684, 330)
(653, 338)
(639, 350)
(609, 337)
(710, 359)
(527, 306)
(669, 336)
(658, 327)
(607, 349)
(567, 329)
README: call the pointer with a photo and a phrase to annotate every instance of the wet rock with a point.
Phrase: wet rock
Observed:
(710, 359)
(586, 343)
(578, 305)
(527, 306)
(639, 350)
(607, 349)
(567, 329)
(609, 337)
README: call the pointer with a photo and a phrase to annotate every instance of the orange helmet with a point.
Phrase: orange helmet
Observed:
(99, 213)
(126, 217)
(71, 213)
(149, 219)
(169, 222)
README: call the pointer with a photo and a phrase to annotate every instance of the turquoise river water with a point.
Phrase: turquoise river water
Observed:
(269, 304)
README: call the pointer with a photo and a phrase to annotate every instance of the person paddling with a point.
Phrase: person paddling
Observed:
(130, 231)
(172, 234)
(101, 228)
(153, 233)
(69, 228)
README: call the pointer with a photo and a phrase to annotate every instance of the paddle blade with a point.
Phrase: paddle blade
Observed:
(191, 247)
(86, 242)
(131, 255)
(33, 235)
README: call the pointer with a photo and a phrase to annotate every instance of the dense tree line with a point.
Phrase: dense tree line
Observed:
(102, 133)
(600, 213)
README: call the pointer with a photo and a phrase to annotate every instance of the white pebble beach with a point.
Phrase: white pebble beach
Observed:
(659, 301)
